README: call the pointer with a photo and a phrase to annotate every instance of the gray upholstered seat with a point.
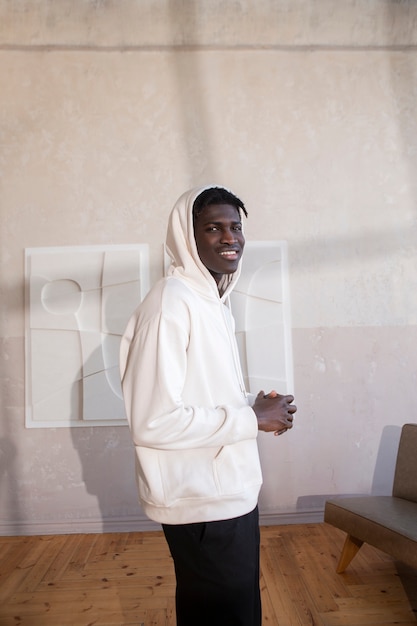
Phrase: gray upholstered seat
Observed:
(388, 523)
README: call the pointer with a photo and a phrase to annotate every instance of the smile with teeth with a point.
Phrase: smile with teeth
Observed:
(231, 254)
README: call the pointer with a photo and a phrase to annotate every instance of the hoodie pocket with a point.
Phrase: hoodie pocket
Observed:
(168, 476)
(180, 475)
(237, 467)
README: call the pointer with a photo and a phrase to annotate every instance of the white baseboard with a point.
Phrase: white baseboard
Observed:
(297, 517)
(75, 527)
(71, 527)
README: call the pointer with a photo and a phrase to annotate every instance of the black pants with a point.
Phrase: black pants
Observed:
(217, 571)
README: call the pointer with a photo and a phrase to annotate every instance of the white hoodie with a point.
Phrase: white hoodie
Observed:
(193, 429)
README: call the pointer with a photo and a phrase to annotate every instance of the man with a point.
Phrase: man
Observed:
(192, 425)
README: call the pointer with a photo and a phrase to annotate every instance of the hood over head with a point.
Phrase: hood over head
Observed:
(182, 249)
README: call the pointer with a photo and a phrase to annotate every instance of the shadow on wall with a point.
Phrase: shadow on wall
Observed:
(397, 12)
(108, 469)
(194, 117)
(383, 474)
(385, 461)
(8, 479)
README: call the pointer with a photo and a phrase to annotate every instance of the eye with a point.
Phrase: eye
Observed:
(211, 229)
(238, 227)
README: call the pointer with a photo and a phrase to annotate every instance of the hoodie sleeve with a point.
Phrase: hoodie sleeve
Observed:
(154, 365)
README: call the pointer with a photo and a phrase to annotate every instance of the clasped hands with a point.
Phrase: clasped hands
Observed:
(274, 412)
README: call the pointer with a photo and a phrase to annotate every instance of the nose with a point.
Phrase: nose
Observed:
(228, 236)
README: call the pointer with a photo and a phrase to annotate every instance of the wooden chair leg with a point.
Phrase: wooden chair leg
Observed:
(351, 547)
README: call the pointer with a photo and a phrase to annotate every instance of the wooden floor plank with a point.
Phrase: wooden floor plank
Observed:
(322, 583)
(276, 590)
(126, 579)
(21, 566)
(298, 598)
(40, 564)
(11, 572)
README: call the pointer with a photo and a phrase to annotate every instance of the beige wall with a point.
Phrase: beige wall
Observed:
(308, 111)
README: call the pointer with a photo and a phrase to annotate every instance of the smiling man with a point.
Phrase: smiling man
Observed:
(218, 233)
(193, 425)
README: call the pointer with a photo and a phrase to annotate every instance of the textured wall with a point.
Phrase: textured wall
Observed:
(308, 110)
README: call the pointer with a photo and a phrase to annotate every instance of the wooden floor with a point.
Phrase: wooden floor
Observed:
(127, 579)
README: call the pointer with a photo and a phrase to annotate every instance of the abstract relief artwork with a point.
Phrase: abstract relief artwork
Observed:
(261, 308)
(78, 302)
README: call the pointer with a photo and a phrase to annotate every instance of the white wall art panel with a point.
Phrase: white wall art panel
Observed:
(78, 301)
(260, 305)
(261, 308)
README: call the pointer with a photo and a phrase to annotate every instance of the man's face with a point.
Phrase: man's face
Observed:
(219, 238)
